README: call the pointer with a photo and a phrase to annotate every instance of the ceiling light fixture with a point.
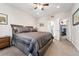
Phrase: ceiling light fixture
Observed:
(40, 5)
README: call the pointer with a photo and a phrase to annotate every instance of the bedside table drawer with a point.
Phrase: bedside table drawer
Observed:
(4, 40)
(5, 44)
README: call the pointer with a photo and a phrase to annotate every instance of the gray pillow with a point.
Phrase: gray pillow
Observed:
(25, 29)
(29, 28)
(20, 29)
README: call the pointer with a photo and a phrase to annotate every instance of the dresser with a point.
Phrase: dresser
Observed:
(5, 41)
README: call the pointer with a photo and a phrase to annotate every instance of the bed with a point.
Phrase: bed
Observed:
(30, 41)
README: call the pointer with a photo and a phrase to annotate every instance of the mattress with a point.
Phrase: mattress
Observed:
(34, 41)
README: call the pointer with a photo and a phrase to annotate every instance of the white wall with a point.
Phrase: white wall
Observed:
(56, 28)
(45, 28)
(43, 20)
(69, 29)
(15, 16)
(74, 30)
(56, 20)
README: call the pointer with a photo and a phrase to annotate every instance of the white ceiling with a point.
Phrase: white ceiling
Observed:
(50, 10)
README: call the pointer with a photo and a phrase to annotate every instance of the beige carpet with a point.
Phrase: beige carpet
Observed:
(58, 48)
(11, 51)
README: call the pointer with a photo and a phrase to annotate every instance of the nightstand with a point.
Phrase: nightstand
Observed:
(5, 41)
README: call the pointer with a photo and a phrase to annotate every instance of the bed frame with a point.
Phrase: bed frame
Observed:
(42, 50)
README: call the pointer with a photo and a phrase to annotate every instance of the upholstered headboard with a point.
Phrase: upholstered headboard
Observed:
(21, 28)
(15, 27)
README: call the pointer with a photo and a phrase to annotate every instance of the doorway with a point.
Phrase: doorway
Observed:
(63, 31)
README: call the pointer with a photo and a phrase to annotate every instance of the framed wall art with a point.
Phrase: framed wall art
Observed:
(3, 19)
(75, 17)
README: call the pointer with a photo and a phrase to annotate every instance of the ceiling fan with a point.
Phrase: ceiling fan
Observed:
(40, 5)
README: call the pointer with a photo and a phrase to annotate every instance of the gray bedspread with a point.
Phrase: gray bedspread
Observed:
(32, 41)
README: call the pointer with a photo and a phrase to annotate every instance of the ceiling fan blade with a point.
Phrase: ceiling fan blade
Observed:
(35, 3)
(35, 8)
(46, 4)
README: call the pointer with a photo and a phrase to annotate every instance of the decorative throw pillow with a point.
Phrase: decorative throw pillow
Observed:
(20, 29)
(25, 29)
(15, 30)
(29, 28)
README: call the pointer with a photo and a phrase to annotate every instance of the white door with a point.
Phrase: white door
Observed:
(51, 27)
